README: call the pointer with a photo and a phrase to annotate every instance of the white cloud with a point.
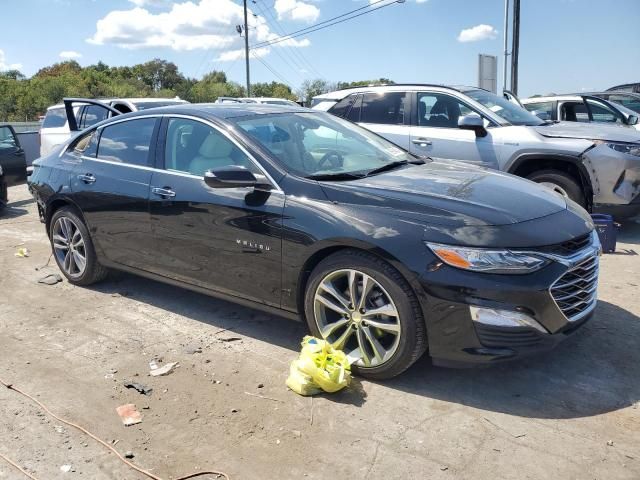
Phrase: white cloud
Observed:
(151, 3)
(7, 66)
(477, 33)
(232, 55)
(69, 54)
(192, 25)
(296, 10)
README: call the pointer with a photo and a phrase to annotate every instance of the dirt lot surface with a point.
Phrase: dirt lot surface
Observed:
(570, 414)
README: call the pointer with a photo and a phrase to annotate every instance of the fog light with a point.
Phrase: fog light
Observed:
(504, 318)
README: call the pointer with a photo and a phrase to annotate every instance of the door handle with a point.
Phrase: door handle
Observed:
(163, 192)
(423, 142)
(87, 178)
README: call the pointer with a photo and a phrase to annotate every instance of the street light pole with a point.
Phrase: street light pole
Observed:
(515, 46)
(246, 48)
(506, 50)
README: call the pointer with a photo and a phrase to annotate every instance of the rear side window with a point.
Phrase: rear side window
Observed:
(341, 108)
(127, 142)
(386, 109)
(93, 114)
(7, 140)
(55, 118)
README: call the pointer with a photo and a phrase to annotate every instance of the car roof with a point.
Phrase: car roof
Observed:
(340, 94)
(551, 98)
(132, 100)
(219, 110)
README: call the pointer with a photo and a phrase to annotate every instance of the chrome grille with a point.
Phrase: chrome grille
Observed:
(576, 292)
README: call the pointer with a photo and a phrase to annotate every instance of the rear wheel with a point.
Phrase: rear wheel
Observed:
(363, 306)
(562, 183)
(73, 249)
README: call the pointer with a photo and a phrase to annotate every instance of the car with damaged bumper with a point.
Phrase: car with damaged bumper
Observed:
(306, 215)
(596, 165)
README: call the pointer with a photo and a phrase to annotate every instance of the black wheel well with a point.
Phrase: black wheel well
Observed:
(527, 166)
(56, 205)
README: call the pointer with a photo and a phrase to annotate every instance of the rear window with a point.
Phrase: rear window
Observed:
(55, 118)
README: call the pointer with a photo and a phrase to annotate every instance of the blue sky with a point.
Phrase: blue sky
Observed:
(566, 45)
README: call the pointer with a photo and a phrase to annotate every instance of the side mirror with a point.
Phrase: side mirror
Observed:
(233, 176)
(541, 115)
(474, 122)
(632, 120)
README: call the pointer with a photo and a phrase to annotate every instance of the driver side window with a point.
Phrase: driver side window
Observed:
(194, 147)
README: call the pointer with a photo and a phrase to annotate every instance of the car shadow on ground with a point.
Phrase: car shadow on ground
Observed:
(593, 372)
(629, 233)
(14, 210)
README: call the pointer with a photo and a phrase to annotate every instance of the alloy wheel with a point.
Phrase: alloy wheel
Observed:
(69, 247)
(355, 314)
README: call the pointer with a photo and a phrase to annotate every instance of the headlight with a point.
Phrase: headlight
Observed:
(489, 261)
(628, 148)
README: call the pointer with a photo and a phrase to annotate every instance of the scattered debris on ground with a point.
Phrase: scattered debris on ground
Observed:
(143, 389)
(166, 369)
(50, 279)
(129, 414)
(22, 252)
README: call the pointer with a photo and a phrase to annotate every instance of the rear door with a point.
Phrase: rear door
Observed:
(435, 132)
(225, 239)
(12, 158)
(111, 186)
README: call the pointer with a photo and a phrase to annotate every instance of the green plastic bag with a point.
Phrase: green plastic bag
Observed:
(319, 367)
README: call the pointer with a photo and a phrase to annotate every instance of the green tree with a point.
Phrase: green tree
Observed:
(311, 88)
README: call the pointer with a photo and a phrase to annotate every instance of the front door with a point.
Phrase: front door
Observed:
(225, 239)
(110, 184)
(12, 159)
(436, 133)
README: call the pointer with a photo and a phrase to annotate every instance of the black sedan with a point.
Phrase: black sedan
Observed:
(303, 214)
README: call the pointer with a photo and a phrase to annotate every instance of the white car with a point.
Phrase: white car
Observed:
(596, 165)
(581, 108)
(55, 127)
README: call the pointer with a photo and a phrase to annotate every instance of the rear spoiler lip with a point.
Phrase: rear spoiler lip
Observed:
(71, 118)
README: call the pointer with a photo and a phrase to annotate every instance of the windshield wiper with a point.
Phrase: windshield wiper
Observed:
(336, 176)
(393, 165)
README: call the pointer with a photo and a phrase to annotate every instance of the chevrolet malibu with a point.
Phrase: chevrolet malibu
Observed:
(300, 213)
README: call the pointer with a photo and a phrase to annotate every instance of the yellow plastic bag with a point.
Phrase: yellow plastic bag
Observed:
(320, 367)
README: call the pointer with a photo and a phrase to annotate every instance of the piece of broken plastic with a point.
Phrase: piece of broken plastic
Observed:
(22, 252)
(129, 414)
(319, 367)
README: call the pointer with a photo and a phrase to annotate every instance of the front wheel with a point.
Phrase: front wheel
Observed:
(73, 249)
(363, 306)
(562, 183)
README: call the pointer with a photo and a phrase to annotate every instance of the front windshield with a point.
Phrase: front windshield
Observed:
(319, 144)
(511, 112)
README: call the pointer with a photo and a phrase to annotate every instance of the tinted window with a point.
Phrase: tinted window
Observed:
(7, 140)
(93, 114)
(55, 118)
(195, 147)
(602, 113)
(87, 145)
(574, 112)
(127, 142)
(341, 108)
(386, 109)
(354, 113)
(628, 101)
(439, 110)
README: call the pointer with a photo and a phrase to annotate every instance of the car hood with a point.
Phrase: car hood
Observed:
(589, 131)
(449, 193)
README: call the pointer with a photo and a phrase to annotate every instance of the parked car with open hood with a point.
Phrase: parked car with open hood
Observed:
(306, 215)
(595, 165)
(581, 108)
(55, 126)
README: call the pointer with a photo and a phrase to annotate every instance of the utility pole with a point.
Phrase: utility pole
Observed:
(506, 49)
(515, 46)
(246, 48)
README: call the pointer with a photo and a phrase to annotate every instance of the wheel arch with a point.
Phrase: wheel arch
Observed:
(332, 247)
(528, 163)
(56, 204)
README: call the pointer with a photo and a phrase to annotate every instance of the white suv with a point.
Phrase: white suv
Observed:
(593, 164)
(55, 127)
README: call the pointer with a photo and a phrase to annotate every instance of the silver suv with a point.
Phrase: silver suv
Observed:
(598, 166)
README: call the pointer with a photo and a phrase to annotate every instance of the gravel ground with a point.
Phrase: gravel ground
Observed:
(573, 413)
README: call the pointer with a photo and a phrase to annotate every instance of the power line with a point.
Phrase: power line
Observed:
(272, 70)
(326, 24)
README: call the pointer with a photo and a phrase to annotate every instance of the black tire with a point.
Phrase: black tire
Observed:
(563, 180)
(94, 271)
(413, 338)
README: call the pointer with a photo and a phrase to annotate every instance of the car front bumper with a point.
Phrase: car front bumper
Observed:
(457, 339)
